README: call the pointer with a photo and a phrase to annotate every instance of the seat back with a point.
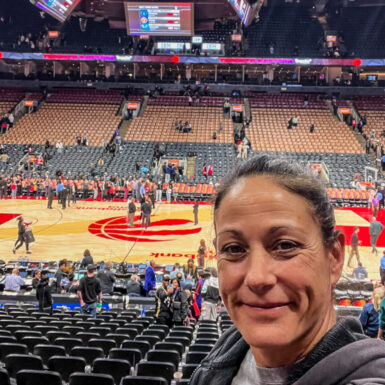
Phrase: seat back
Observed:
(104, 343)
(164, 356)
(165, 370)
(115, 367)
(66, 365)
(143, 380)
(38, 377)
(47, 351)
(131, 355)
(91, 379)
(68, 343)
(12, 348)
(88, 353)
(17, 362)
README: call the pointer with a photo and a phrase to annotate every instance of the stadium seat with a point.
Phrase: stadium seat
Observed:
(68, 343)
(88, 353)
(142, 380)
(165, 370)
(47, 351)
(12, 348)
(91, 379)
(131, 355)
(16, 362)
(115, 367)
(105, 344)
(38, 377)
(66, 365)
(4, 377)
(170, 346)
(195, 357)
(188, 370)
(143, 346)
(164, 356)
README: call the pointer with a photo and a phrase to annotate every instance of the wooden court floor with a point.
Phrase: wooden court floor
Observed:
(101, 227)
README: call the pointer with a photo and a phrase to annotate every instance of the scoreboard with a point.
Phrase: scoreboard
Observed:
(59, 9)
(168, 19)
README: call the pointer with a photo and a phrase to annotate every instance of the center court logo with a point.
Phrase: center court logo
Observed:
(116, 228)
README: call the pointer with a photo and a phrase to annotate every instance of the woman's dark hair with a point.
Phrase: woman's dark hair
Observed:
(176, 279)
(86, 253)
(292, 177)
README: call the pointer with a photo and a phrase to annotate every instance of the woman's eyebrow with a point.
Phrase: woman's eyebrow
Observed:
(284, 227)
(231, 231)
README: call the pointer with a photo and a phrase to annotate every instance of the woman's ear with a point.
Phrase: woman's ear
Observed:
(337, 257)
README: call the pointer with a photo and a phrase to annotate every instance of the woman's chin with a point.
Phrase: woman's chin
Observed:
(266, 336)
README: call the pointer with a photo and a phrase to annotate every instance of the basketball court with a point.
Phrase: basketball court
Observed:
(172, 236)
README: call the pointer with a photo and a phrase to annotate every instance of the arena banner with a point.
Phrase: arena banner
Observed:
(192, 59)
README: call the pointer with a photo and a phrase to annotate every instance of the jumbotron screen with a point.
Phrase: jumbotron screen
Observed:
(245, 11)
(59, 9)
(157, 19)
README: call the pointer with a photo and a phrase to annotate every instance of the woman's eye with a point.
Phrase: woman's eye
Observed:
(286, 246)
(233, 250)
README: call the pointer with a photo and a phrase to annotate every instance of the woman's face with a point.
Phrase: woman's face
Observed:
(276, 276)
(175, 284)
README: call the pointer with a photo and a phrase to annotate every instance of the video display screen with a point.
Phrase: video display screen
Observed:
(245, 12)
(160, 19)
(59, 9)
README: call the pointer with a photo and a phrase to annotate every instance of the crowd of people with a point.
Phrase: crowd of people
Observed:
(6, 122)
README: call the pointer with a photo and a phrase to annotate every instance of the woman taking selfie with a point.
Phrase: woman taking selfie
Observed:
(279, 259)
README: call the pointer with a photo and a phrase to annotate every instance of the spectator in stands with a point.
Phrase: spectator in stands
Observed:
(190, 270)
(163, 313)
(149, 280)
(204, 170)
(134, 286)
(13, 281)
(179, 304)
(295, 121)
(375, 203)
(43, 294)
(210, 170)
(382, 268)
(367, 146)
(177, 269)
(3, 188)
(211, 297)
(311, 129)
(11, 120)
(214, 135)
(360, 272)
(59, 147)
(354, 242)
(87, 259)
(271, 48)
(57, 284)
(36, 279)
(89, 292)
(107, 279)
(369, 317)
(280, 297)
(198, 293)
(4, 159)
(159, 190)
